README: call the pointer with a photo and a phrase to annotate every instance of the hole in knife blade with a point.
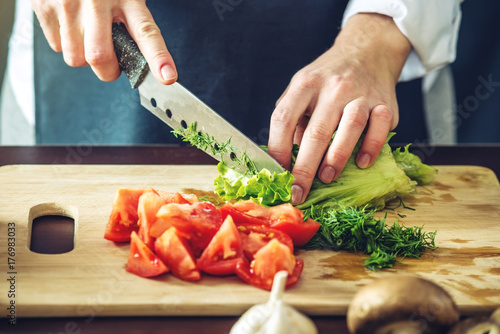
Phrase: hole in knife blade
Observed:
(169, 113)
(184, 124)
(232, 155)
(153, 102)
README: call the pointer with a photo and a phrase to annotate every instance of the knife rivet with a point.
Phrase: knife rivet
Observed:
(169, 113)
(153, 102)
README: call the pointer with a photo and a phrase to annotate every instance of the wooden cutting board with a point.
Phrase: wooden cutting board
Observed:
(463, 205)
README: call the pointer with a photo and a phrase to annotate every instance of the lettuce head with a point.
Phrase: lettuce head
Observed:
(370, 187)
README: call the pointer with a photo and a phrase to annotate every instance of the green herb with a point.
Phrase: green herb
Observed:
(206, 143)
(203, 141)
(357, 229)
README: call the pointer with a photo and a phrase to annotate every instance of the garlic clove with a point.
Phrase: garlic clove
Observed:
(274, 317)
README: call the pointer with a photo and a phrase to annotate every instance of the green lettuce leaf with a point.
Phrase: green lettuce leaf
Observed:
(264, 187)
(372, 186)
(413, 166)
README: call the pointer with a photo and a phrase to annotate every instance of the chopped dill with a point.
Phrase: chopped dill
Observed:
(357, 229)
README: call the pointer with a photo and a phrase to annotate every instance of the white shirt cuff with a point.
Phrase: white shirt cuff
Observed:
(431, 27)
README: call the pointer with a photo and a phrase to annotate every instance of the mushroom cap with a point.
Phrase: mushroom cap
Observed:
(495, 316)
(401, 300)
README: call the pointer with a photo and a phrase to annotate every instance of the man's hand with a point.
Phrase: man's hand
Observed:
(81, 30)
(349, 88)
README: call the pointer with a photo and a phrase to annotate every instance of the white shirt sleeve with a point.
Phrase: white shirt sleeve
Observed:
(20, 59)
(431, 26)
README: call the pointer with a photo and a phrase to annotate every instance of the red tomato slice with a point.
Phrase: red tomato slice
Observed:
(223, 251)
(300, 233)
(283, 217)
(269, 260)
(149, 204)
(254, 237)
(240, 216)
(196, 222)
(172, 249)
(160, 225)
(176, 197)
(123, 218)
(142, 261)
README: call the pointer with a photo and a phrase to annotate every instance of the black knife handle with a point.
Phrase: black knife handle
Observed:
(130, 58)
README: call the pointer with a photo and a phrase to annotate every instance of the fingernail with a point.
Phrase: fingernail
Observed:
(297, 193)
(327, 174)
(363, 160)
(168, 73)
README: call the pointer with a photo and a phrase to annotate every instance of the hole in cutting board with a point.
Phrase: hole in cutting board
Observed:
(52, 228)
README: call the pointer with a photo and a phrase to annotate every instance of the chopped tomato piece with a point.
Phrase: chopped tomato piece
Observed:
(254, 237)
(283, 217)
(149, 204)
(196, 222)
(142, 261)
(242, 217)
(160, 225)
(223, 251)
(300, 233)
(172, 249)
(269, 260)
(123, 218)
(176, 197)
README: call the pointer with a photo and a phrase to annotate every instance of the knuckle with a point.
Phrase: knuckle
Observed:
(147, 29)
(339, 156)
(304, 172)
(74, 60)
(343, 83)
(376, 142)
(357, 117)
(281, 116)
(160, 56)
(383, 114)
(99, 57)
(306, 80)
(318, 133)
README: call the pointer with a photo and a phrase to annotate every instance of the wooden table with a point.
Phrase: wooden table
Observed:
(487, 156)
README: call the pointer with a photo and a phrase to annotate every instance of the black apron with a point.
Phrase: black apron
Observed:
(237, 56)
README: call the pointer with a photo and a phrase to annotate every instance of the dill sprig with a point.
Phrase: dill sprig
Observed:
(206, 143)
(203, 141)
(357, 229)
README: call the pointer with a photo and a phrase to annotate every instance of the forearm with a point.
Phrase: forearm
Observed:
(431, 27)
(375, 40)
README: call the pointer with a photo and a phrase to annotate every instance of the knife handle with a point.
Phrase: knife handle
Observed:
(130, 58)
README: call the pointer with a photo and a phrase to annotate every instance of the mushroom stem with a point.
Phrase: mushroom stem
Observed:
(400, 327)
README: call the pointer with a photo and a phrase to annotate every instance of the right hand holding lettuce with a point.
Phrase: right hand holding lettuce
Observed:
(386, 179)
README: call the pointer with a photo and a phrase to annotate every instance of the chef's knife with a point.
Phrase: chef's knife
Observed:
(179, 108)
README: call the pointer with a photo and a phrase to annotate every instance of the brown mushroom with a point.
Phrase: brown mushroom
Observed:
(401, 304)
(478, 325)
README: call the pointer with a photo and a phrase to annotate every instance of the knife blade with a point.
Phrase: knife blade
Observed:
(179, 108)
